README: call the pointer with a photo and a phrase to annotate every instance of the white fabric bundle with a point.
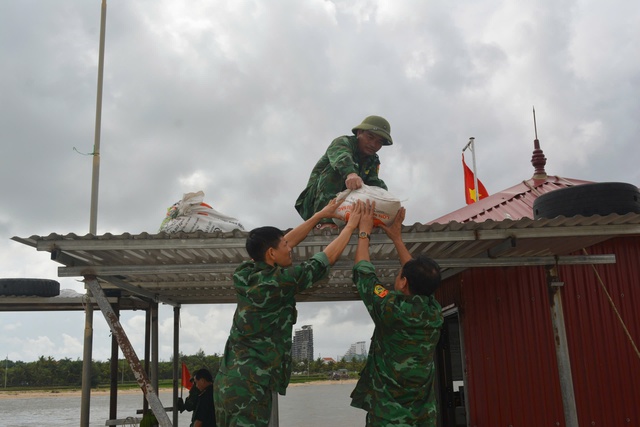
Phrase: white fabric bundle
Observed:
(192, 214)
(387, 205)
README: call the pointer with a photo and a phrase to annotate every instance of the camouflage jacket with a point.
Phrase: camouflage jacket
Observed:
(259, 344)
(397, 382)
(328, 175)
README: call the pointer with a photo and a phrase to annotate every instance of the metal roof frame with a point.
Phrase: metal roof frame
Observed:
(197, 268)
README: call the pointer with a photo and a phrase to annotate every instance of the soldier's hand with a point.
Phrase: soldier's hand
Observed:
(395, 229)
(366, 220)
(329, 211)
(353, 181)
(355, 214)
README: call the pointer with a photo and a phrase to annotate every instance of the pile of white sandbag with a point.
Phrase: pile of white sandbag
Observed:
(192, 214)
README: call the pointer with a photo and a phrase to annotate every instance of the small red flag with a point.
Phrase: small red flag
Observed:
(186, 377)
(469, 186)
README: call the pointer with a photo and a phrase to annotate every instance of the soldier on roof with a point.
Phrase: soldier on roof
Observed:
(349, 162)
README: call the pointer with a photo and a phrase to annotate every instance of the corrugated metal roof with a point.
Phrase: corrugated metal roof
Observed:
(197, 268)
(513, 203)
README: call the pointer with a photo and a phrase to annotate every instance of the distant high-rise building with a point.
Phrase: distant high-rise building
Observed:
(303, 344)
(357, 351)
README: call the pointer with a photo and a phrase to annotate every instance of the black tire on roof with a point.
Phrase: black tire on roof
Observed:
(602, 198)
(29, 287)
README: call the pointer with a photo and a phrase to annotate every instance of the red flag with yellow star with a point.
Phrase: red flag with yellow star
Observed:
(469, 186)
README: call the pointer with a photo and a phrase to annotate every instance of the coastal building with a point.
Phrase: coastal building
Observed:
(357, 351)
(302, 348)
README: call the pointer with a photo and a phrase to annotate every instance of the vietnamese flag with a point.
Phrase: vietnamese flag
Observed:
(186, 377)
(469, 186)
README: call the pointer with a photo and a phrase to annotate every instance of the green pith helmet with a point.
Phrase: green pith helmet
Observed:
(377, 125)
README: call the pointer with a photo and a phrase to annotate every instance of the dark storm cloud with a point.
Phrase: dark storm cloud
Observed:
(239, 99)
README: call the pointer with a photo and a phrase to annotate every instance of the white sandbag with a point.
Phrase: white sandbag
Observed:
(387, 205)
(192, 214)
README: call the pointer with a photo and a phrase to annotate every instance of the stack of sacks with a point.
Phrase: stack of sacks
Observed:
(192, 214)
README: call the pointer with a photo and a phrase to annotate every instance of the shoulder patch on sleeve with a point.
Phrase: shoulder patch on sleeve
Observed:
(380, 291)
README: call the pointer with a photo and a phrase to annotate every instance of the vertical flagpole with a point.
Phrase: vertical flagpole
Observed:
(85, 402)
(93, 218)
(475, 172)
(470, 146)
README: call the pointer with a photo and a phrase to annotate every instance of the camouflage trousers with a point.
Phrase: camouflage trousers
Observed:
(241, 403)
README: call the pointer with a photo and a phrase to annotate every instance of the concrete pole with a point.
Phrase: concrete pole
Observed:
(93, 219)
(85, 400)
(95, 179)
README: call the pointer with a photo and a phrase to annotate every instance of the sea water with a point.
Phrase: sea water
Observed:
(308, 405)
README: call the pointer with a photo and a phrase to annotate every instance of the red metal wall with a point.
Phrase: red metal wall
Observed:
(606, 367)
(511, 368)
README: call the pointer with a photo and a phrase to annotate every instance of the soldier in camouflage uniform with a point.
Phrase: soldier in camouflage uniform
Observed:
(396, 386)
(257, 356)
(349, 162)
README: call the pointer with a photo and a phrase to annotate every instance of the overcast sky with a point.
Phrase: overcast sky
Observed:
(239, 99)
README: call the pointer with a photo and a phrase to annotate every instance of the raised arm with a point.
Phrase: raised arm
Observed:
(299, 233)
(335, 248)
(394, 232)
(365, 226)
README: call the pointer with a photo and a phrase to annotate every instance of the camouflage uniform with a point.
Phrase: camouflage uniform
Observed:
(328, 175)
(257, 356)
(396, 386)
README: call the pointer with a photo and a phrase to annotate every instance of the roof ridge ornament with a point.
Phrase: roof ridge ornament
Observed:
(538, 160)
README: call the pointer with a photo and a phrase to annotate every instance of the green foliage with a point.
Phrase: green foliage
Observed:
(47, 372)
(319, 368)
(201, 360)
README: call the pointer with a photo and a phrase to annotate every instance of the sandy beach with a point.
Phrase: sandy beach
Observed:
(29, 394)
(325, 382)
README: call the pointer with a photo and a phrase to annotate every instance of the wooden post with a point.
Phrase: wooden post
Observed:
(562, 349)
(176, 356)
